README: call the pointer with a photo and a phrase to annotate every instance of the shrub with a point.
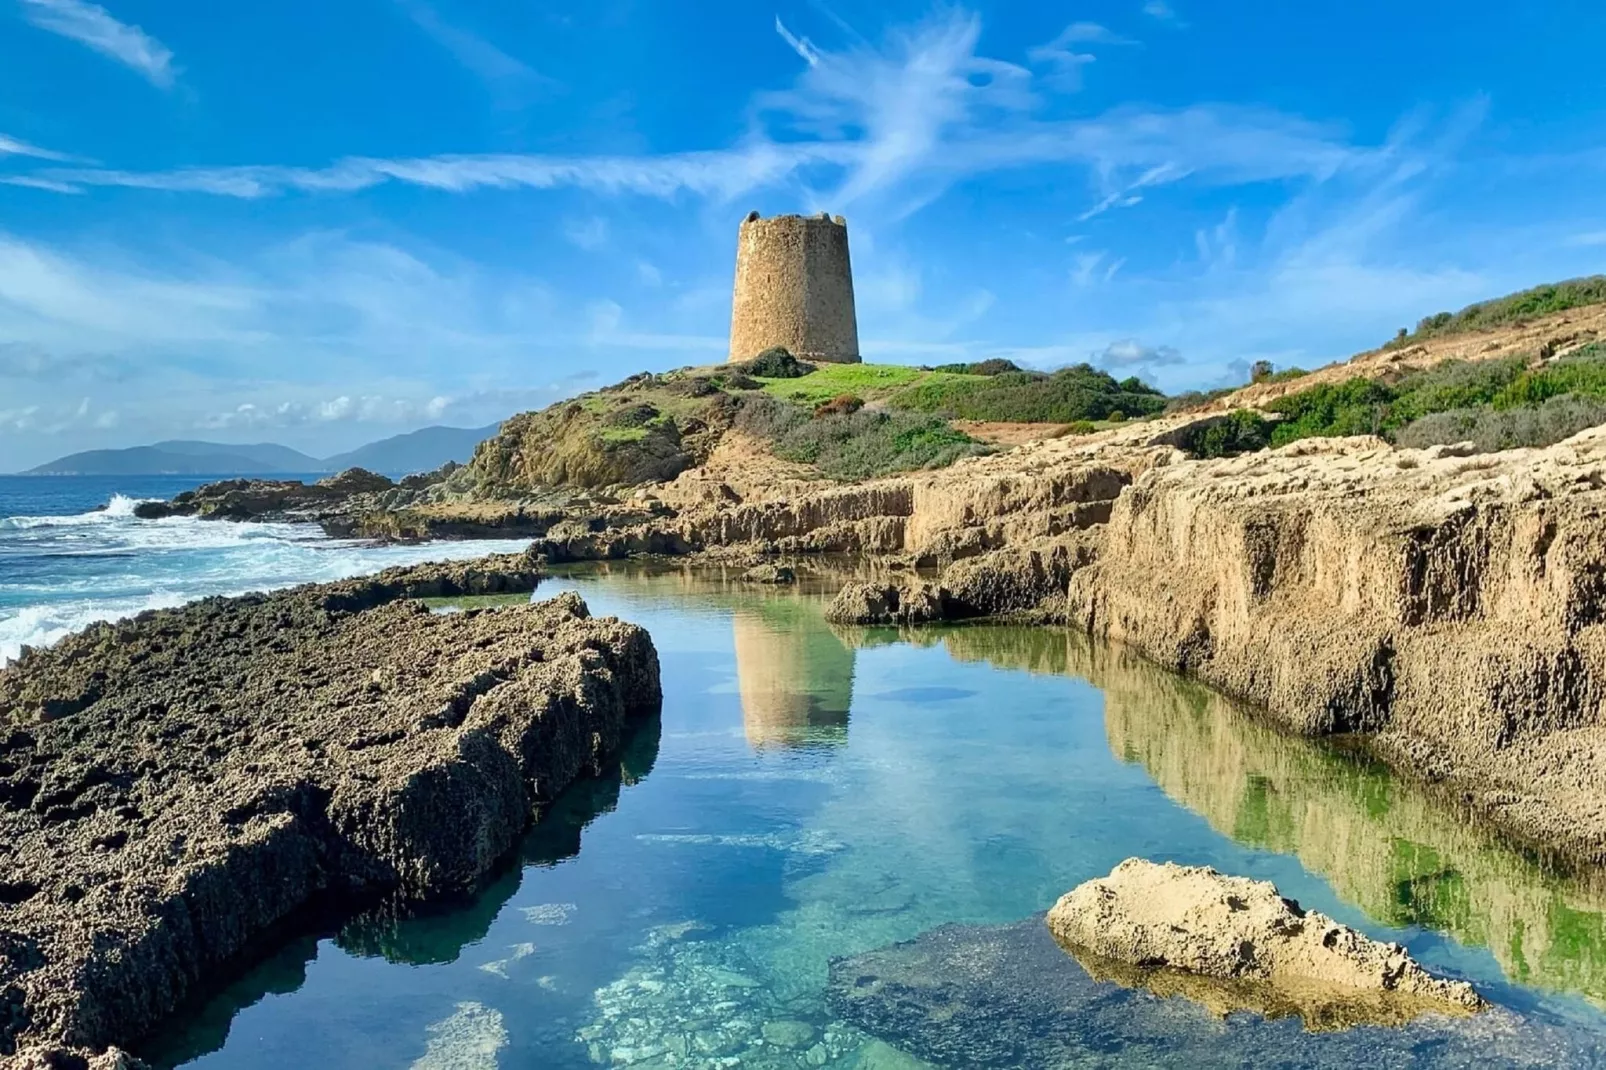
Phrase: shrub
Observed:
(1513, 308)
(990, 366)
(855, 445)
(1116, 416)
(1260, 371)
(1492, 429)
(841, 405)
(1239, 431)
(1192, 399)
(777, 362)
(1081, 392)
(631, 416)
(1080, 427)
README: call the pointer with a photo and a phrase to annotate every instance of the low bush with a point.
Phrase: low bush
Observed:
(777, 362)
(991, 366)
(1491, 429)
(1081, 392)
(841, 405)
(855, 445)
(1239, 431)
(1513, 308)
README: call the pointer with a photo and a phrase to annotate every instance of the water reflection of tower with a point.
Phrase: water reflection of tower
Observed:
(795, 677)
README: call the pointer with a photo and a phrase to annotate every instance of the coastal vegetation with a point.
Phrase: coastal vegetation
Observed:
(1513, 308)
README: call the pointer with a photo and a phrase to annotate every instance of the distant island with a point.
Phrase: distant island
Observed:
(416, 451)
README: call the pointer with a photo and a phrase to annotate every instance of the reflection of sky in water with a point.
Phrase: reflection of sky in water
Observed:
(979, 776)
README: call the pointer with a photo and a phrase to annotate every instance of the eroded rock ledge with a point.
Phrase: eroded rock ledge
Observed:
(174, 785)
(1163, 926)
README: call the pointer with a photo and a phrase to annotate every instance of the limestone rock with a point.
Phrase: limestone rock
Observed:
(769, 573)
(1196, 921)
(878, 603)
(238, 760)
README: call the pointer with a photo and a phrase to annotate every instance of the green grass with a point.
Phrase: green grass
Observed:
(1513, 308)
(871, 382)
(615, 435)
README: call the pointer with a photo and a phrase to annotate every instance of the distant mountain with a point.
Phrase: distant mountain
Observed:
(276, 457)
(150, 461)
(417, 451)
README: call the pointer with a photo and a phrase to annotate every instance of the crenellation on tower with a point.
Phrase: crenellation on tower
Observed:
(794, 288)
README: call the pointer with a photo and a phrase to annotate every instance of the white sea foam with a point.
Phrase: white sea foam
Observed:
(59, 574)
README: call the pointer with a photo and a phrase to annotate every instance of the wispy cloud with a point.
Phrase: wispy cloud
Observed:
(1065, 63)
(495, 67)
(589, 234)
(801, 45)
(10, 146)
(1161, 11)
(894, 126)
(93, 26)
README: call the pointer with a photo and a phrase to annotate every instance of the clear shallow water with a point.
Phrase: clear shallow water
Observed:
(72, 552)
(814, 792)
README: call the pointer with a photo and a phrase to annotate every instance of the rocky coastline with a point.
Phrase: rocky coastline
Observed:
(175, 786)
(1445, 607)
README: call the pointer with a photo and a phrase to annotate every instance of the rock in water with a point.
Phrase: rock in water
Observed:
(1195, 921)
(1009, 996)
(174, 785)
(875, 603)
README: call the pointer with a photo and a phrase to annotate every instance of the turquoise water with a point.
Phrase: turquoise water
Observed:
(813, 793)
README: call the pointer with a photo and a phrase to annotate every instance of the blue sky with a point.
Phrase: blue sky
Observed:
(321, 223)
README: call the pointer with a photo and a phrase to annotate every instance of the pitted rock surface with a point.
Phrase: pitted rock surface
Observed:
(1197, 921)
(174, 785)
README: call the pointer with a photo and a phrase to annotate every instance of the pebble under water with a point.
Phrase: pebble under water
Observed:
(816, 795)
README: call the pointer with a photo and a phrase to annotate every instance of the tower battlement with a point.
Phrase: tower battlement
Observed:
(794, 288)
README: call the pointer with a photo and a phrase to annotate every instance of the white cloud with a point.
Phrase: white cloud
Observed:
(1129, 353)
(1085, 268)
(648, 273)
(1161, 11)
(478, 55)
(801, 45)
(48, 184)
(894, 125)
(10, 146)
(589, 234)
(1064, 61)
(93, 26)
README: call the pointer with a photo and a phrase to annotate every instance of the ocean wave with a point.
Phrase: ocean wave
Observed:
(119, 508)
(70, 572)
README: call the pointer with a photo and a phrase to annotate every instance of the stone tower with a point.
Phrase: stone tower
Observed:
(794, 288)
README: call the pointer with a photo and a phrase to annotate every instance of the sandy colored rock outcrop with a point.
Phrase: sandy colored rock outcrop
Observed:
(174, 785)
(1198, 922)
(1449, 605)
(885, 603)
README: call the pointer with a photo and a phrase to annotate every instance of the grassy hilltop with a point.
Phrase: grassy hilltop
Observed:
(850, 421)
(854, 421)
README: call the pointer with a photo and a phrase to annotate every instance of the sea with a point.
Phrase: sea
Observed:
(72, 553)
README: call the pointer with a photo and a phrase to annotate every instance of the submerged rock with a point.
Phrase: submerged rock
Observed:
(1193, 921)
(175, 785)
(1009, 996)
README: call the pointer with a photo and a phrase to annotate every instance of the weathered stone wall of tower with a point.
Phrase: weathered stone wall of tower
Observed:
(794, 288)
